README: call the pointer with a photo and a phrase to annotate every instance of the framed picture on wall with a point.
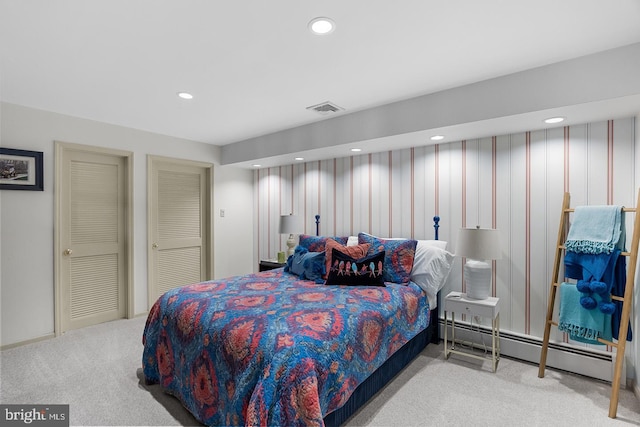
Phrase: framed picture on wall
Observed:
(21, 170)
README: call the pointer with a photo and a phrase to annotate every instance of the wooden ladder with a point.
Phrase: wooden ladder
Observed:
(626, 299)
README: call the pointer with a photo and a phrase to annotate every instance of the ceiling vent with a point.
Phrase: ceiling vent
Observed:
(325, 108)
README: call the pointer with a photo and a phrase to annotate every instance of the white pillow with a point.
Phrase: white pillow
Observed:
(442, 244)
(352, 241)
(385, 238)
(431, 268)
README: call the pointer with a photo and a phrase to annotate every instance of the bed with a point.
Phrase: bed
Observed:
(281, 347)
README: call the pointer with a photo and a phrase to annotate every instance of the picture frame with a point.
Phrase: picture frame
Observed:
(21, 170)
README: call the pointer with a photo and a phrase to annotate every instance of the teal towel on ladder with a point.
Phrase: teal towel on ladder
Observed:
(594, 229)
(581, 324)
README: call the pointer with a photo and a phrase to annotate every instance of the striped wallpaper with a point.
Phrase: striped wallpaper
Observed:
(514, 183)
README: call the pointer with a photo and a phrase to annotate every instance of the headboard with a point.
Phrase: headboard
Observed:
(436, 226)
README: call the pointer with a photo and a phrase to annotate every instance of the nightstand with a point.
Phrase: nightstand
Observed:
(270, 264)
(458, 302)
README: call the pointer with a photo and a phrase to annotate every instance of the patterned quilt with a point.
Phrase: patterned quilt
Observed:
(270, 349)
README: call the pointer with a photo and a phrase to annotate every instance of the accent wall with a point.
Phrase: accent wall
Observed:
(514, 183)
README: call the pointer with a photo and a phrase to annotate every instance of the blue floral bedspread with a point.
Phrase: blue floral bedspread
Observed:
(270, 349)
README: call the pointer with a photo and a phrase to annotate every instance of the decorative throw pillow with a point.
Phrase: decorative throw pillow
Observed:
(349, 271)
(314, 267)
(306, 265)
(358, 251)
(295, 267)
(442, 244)
(398, 260)
(317, 243)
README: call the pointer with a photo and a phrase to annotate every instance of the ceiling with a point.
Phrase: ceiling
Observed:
(253, 66)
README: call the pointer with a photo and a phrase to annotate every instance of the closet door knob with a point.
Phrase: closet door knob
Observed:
(67, 252)
(154, 246)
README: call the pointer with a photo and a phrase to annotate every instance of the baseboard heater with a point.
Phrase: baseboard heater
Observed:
(589, 362)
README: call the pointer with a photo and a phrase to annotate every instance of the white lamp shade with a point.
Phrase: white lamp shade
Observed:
(478, 243)
(290, 224)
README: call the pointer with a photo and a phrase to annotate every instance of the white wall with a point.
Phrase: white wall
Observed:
(514, 183)
(233, 233)
(26, 217)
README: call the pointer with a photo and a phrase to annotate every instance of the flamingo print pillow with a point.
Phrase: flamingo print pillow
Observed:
(348, 271)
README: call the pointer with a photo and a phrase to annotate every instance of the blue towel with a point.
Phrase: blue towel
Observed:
(595, 229)
(582, 325)
(598, 267)
(595, 274)
(619, 285)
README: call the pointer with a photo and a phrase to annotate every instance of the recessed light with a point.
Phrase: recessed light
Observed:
(299, 158)
(256, 166)
(437, 137)
(552, 120)
(356, 150)
(185, 95)
(322, 26)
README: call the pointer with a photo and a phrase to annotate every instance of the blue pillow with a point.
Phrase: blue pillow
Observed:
(398, 261)
(307, 265)
(317, 243)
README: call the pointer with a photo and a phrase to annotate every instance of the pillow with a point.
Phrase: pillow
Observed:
(398, 261)
(349, 271)
(294, 262)
(356, 252)
(425, 254)
(316, 243)
(306, 265)
(442, 244)
(431, 268)
(439, 243)
(352, 241)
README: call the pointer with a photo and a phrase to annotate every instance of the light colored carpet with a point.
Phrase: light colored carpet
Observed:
(97, 371)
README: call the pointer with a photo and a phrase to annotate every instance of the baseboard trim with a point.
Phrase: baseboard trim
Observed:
(31, 341)
(589, 362)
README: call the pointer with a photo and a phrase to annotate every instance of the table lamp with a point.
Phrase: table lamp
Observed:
(290, 224)
(478, 245)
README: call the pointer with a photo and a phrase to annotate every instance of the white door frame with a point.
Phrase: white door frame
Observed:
(61, 148)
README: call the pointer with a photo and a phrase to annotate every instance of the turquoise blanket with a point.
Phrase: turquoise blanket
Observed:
(595, 229)
(582, 325)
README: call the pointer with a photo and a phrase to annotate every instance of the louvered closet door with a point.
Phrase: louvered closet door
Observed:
(92, 239)
(178, 226)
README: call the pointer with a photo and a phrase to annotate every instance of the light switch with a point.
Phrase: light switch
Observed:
(221, 213)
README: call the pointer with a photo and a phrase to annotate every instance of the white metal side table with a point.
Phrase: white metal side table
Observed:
(489, 308)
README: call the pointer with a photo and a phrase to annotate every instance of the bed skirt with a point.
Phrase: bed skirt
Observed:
(389, 369)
